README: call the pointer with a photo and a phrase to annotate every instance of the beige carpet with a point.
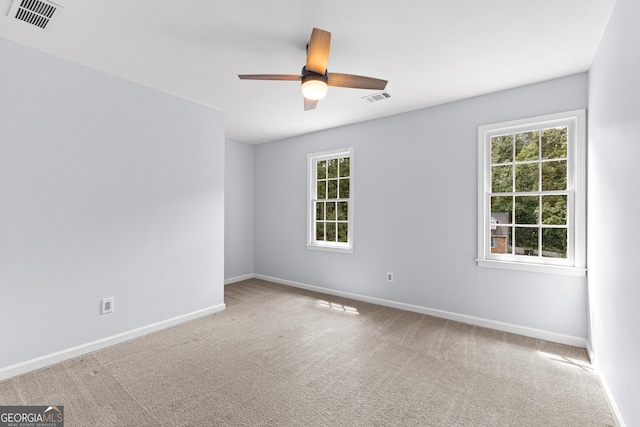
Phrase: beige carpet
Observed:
(280, 356)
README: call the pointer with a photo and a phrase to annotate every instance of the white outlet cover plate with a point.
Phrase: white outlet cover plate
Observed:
(107, 305)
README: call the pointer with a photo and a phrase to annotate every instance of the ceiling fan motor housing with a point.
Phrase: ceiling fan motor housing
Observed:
(310, 75)
(314, 85)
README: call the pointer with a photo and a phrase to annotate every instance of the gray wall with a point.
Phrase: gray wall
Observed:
(238, 210)
(614, 204)
(415, 213)
(107, 189)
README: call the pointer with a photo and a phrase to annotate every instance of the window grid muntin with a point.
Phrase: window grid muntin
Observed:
(314, 160)
(512, 133)
(326, 200)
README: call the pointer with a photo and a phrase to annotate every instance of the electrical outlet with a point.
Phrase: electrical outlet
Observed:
(389, 277)
(107, 305)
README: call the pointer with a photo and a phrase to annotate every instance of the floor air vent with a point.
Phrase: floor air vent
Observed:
(377, 97)
(35, 12)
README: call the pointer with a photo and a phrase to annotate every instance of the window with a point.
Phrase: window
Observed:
(330, 208)
(531, 198)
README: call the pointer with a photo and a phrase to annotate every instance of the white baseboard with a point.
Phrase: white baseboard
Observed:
(590, 353)
(603, 382)
(238, 278)
(478, 321)
(612, 403)
(60, 356)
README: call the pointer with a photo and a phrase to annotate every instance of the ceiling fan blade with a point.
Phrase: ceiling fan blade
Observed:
(318, 51)
(310, 104)
(269, 77)
(356, 82)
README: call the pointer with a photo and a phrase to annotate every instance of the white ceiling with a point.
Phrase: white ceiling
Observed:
(431, 52)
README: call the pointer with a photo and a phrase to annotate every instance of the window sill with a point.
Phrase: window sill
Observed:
(535, 268)
(330, 249)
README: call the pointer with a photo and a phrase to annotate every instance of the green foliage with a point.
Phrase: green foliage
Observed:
(343, 211)
(502, 149)
(527, 177)
(342, 232)
(527, 146)
(527, 239)
(321, 167)
(322, 190)
(554, 143)
(554, 175)
(331, 231)
(554, 242)
(319, 211)
(554, 210)
(527, 209)
(331, 211)
(332, 189)
(332, 168)
(502, 179)
(345, 166)
(344, 188)
(502, 204)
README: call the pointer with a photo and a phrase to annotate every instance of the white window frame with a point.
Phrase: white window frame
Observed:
(575, 263)
(312, 160)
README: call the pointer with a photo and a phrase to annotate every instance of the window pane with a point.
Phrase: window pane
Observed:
(527, 209)
(554, 143)
(344, 188)
(527, 177)
(332, 168)
(554, 175)
(322, 190)
(331, 231)
(501, 240)
(331, 211)
(332, 189)
(554, 242)
(343, 211)
(527, 146)
(501, 210)
(319, 230)
(342, 232)
(322, 169)
(344, 167)
(554, 210)
(320, 211)
(526, 241)
(502, 149)
(501, 179)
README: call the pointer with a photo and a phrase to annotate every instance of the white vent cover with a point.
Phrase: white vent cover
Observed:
(35, 12)
(377, 97)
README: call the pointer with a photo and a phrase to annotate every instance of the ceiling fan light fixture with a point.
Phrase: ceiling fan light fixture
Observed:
(314, 87)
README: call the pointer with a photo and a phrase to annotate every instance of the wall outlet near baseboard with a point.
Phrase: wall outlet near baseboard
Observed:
(389, 277)
(107, 305)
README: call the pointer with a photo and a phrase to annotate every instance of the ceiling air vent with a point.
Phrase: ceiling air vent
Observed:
(35, 12)
(377, 97)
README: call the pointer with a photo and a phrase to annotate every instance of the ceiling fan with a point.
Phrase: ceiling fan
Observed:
(315, 77)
